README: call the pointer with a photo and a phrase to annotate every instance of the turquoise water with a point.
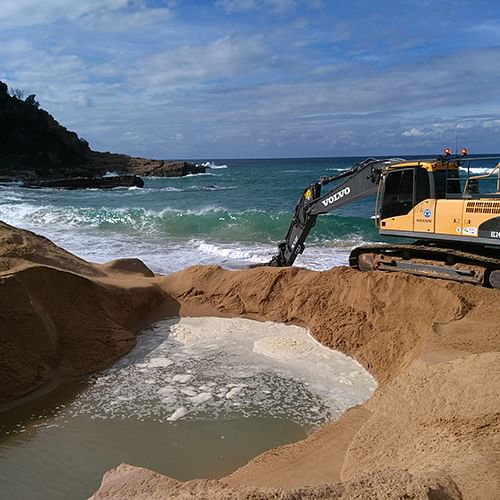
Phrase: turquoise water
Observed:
(233, 215)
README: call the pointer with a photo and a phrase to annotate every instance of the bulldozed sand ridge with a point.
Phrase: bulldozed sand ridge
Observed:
(431, 430)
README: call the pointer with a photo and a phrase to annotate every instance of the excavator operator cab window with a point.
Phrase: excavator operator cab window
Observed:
(446, 182)
(403, 190)
(422, 185)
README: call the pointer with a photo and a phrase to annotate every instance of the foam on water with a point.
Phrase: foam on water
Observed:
(215, 368)
(478, 170)
(80, 231)
(236, 255)
(203, 173)
(228, 252)
(212, 165)
(189, 189)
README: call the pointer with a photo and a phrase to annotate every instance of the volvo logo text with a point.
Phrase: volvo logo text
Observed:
(337, 196)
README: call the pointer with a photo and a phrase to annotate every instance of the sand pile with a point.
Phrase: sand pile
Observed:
(127, 481)
(61, 316)
(430, 431)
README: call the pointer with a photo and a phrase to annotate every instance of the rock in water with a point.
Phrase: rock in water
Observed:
(112, 162)
(88, 182)
(160, 168)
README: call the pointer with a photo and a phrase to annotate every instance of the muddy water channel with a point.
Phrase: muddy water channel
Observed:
(197, 397)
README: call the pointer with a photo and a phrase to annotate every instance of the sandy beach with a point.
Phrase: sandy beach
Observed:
(431, 429)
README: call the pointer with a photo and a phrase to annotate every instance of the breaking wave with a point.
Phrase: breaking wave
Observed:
(212, 165)
(210, 222)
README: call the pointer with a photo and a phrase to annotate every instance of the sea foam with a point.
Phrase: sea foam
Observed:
(218, 368)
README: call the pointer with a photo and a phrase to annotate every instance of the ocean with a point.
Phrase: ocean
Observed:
(234, 215)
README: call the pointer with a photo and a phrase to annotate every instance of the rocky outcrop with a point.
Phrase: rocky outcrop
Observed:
(160, 168)
(88, 182)
(123, 164)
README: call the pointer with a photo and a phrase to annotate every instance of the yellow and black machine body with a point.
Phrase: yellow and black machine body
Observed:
(451, 216)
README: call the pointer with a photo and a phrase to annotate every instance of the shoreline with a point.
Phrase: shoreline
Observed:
(431, 345)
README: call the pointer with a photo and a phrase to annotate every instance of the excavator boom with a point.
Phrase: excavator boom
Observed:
(361, 180)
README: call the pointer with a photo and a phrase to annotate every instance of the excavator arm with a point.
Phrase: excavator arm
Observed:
(361, 180)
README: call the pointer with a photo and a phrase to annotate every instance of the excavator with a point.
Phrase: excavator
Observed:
(451, 216)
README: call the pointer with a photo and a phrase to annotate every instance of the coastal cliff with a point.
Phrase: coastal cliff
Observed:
(33, 145)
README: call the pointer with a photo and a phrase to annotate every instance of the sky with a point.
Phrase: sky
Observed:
(180, 79)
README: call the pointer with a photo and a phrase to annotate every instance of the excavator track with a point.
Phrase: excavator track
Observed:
(425, 260)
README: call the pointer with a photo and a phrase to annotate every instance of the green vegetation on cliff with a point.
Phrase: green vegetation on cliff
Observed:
(32, 141)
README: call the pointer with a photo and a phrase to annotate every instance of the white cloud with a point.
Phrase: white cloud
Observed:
(32, 12)
(43, 66)
(111, 15)
(491, 124)
(52, 76)
(120, 20)
(15, 47)
(188, 65)
(414, 132)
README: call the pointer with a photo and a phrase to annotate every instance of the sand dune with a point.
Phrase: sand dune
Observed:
(431, 430)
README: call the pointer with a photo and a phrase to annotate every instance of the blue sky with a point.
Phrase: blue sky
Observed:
(261, 78)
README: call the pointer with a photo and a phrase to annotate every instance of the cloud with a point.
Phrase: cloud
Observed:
(490, 28)
(109, 15)
(188, 65)
(414, 132)
(114, 21)
(15, 47)
(495, 123)
(236, 5)
(233, 6)
(41, 70)
(32, 12)
(83, 100)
